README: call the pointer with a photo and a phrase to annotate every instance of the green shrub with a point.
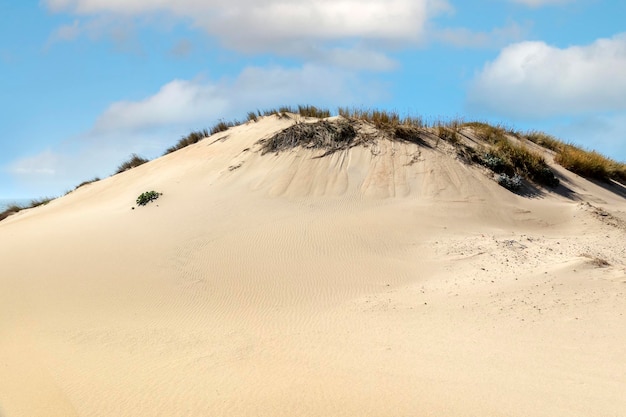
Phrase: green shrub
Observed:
(513, 183)
(147, 197)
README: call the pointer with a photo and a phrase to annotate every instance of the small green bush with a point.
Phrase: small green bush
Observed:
(147, 197)
(513, 183)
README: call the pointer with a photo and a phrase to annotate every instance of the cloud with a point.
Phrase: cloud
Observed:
(533, 79)
(466, 38)
(182, 48)
(179, 101)
(257, 26)
(539, 3)
(66, 32)
(150, 125)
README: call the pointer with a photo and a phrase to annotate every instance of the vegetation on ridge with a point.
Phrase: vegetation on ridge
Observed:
(190, 139)
(331, 136)
(134, 161)
(504, 153)
(15, 208)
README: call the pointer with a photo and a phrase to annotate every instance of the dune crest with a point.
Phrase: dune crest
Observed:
(387, 277)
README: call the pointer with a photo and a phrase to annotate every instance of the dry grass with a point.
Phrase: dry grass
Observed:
(190, 139)
(222, 126)
(590, 164)
(17, 208)
(95, 179)
(134, 161)
(545, 140)
(382, 119)
(525, 163)
(324, 134)
(10, 210)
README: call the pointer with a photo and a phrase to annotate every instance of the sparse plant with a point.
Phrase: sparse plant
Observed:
(324, 134)
(147, 197)
(449, 134)
(190, 139)
(222, 126)
(134, 161)
(40, 202)
(590, 164)
(15, 208)
(12, 209)
(513, 183)
(382, 119)
(312, 111)
(545, 140)
(95, 179)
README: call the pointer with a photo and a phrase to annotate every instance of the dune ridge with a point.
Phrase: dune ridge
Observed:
(384, 278)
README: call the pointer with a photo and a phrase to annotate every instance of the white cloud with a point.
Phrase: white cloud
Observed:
(464, 38)
(188, 102)
(282, 26)
(149, 126)
(539, 3)
(533, 79)
(179, 101)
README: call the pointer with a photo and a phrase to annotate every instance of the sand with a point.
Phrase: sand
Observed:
(384, 280)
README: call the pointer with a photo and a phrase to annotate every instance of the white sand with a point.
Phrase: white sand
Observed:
(387, 280)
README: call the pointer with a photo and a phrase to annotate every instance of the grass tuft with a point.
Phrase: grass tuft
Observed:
(312, 111)
(222, 126)
(134, 161)
(382, 119)
(17, 208)
(95, 179)
(331, 136)
(190, 139)
(590, 164)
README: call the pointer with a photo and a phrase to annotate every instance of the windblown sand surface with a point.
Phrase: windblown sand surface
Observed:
(384, 280)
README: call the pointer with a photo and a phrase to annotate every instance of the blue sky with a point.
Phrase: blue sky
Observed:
(85, 83)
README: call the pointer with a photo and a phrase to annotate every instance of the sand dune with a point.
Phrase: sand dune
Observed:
(386, 279)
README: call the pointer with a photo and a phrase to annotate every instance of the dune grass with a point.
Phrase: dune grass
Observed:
(586, 163)
(323, 134)
(500, 155)
(190, 139)
(15, 208)
(12, 209)
(509, 159)
(95, 179)
(590, 164)
(134, 161)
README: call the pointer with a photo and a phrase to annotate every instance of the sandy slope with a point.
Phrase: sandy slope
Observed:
(387, 280)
